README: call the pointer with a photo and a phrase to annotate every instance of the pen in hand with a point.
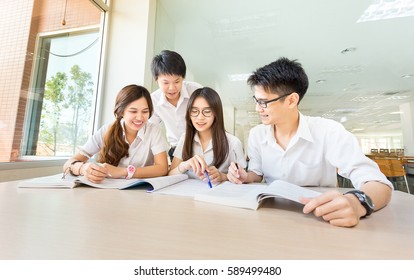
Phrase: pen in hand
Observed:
(237, 168)
(208, 179)
(109, 174)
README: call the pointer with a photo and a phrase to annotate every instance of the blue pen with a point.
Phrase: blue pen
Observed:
(208, 179)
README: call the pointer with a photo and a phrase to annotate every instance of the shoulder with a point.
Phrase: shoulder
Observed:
(191, 86)
(259, 130)
(233, 140)
(152, 127)
(103, 129)
(156, 96)
(322, 123)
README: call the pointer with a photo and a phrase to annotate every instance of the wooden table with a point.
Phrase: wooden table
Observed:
(88, 223)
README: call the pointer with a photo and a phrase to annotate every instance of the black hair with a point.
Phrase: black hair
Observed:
(168, 63)
(281, 77)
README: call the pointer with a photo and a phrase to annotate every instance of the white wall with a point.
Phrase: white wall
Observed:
(129, 50)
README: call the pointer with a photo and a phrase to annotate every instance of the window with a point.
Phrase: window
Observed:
(49, 63)
(62, 116)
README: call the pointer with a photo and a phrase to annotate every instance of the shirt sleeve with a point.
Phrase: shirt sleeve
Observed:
(158, 141)
(253, 151)
(344, 152)
(95, 142)
(178, 153)
(236, 152)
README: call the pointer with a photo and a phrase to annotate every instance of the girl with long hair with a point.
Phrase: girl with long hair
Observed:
(206, 146)
(130, 147)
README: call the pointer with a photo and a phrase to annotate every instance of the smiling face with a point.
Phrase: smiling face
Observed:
(202, 116)
(136, 115)
(276, 112)
(171, 86)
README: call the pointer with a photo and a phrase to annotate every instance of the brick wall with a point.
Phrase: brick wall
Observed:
(20, 23)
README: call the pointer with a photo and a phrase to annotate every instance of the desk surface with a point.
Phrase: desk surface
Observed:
(88, 223)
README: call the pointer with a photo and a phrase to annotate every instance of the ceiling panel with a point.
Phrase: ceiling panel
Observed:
(360, 72)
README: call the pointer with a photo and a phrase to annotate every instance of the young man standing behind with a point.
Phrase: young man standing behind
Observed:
(171, 99)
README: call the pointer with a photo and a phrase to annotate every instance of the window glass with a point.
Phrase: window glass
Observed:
(66, 76)
(49, 65)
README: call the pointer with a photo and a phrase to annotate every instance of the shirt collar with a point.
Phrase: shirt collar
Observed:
(140, 134)
(302, 132)
(303, 129)
(183, 95)
(209, 146)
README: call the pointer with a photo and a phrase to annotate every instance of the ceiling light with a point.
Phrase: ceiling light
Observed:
(320, 81)
(407, 76)
(380, 10)
(396, 113)
(348, 50)
(239, 77)
(397, 97)
(364, 98)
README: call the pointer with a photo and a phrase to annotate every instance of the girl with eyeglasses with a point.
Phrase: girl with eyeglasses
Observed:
(206, 146)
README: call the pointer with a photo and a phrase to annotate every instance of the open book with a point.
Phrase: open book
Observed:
(251, 195)
(56, 181)
(244, 196)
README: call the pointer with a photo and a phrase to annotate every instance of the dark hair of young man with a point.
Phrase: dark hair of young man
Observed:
(115, 147)
(281, 77)
(218, 132)
(168, 63)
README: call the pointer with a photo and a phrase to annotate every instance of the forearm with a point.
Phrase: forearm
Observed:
(74, 164)
(155, 170)
(253, 178)
(378, 192)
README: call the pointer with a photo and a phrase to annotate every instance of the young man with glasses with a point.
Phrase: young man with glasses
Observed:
(308, 151)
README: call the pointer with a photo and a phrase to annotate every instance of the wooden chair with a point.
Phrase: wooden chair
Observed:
(383, 151)
(392, 168)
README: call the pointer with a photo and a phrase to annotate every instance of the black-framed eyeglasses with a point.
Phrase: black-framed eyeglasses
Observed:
(263, 103)
(207, 112)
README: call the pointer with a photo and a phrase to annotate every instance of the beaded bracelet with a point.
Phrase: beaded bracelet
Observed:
(71, 165)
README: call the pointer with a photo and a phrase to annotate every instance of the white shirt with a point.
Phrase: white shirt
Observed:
(149, 141)
(313, 156)
(172, 117)
(236, 153)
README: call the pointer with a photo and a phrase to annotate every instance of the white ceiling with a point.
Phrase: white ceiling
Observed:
(362, 87)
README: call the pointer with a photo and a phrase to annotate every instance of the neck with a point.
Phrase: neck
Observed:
(205, 136)
(174, 101)
(130, 135)
(285, 131)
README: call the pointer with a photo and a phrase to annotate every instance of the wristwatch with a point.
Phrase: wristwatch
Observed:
(365, 200)
(131, 170)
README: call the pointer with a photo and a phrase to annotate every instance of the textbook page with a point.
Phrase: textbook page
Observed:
(153, 183)
(53, 181)
(251, 195)
(56, 181)
(189, 188)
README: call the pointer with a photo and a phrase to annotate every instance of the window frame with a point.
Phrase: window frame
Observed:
(38, 161)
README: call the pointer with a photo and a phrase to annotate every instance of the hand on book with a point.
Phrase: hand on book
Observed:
(197, 164)
(215, 175)
(94, 172)
(236, 174)
(334, 207)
